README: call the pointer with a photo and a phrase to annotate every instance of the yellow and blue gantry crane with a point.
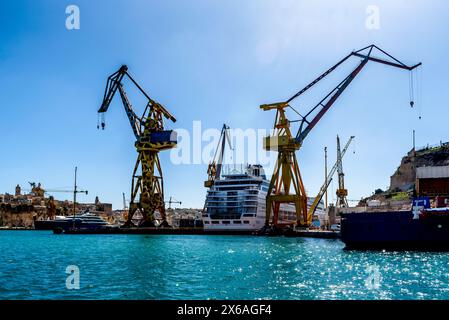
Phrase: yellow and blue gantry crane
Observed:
(147, 190)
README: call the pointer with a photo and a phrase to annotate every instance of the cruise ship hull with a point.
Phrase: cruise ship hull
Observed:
(395, 230)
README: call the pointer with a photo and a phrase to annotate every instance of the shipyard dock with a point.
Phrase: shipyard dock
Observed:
(172, 231)
(200, 231)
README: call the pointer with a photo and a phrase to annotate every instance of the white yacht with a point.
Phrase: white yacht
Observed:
(236, 201)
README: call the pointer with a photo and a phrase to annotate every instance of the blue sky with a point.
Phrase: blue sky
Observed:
(213, 61)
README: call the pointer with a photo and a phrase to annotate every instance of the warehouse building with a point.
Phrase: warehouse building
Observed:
(432, 181)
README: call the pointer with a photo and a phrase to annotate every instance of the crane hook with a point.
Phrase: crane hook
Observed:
(412, 90)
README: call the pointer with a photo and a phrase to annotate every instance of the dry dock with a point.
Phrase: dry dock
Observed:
(174, 231)
(200, 231)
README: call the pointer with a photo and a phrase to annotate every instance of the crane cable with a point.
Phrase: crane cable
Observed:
(419, 91)
(353, 147)
(411, 89)
(415, 85)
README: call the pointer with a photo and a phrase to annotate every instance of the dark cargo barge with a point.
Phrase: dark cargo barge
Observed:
(426, 229)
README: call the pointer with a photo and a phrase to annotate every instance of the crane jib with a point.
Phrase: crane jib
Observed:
(333, 95)
(339, 91)
(114, 81)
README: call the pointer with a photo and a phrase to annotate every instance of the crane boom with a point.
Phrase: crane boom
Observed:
(215, 167)
(307, 125)
(113, 84)
(326, 183)
(302, 134)
(134, 121)
(224, 137)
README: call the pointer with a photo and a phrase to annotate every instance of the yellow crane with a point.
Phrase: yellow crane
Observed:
(147, 190)
(327, 181)
(286, 175)
(286, 186)
(341, 192)
(214, 167)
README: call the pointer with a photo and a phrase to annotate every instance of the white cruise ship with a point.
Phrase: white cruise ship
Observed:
(236, 201)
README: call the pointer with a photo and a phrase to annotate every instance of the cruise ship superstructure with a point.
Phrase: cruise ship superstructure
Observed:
(236, 201)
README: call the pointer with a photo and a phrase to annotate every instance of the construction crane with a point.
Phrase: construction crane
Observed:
(51, 200)
(328, 179)
(147, 188)
(341, 192)
(171, 201)
(214, 168)
(75, 192)
(286, 185)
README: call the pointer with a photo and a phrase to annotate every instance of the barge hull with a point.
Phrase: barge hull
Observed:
(395, 230)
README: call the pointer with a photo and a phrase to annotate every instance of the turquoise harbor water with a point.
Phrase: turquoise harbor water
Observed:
(33, 266)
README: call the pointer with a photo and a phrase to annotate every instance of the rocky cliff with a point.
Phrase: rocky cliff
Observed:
(404, 177)
(402, 182)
